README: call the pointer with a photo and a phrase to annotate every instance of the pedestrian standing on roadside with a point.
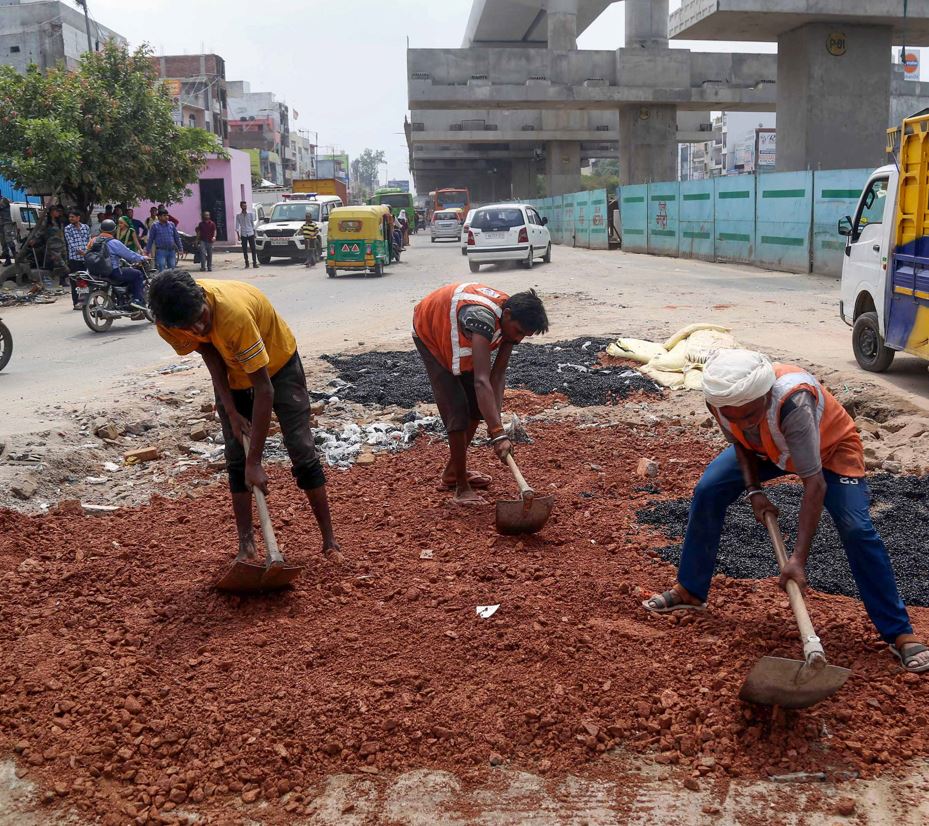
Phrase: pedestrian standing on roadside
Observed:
(245, 230)
(125, 232)
(95, 224)
(77, 237)
(152, 218)
(310, 233)
(163, 237)
(140, 228)
(206, 234)
(7, 231)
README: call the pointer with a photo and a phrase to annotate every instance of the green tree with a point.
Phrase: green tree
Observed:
(365, 170)
(104, 132)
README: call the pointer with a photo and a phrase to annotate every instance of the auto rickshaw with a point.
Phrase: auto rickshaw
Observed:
(359, 239)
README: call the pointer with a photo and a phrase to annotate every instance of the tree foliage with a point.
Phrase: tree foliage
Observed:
(365, 171)
(102, 133)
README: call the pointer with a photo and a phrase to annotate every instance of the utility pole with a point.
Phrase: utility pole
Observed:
(83, 4)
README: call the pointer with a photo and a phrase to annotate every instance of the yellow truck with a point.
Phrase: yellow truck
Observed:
(320, 186)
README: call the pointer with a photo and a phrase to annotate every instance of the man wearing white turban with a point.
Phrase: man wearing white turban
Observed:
(779, 419)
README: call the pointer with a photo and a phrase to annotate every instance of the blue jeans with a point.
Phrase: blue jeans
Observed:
(132, 278)
(165, 259)
(847, 501)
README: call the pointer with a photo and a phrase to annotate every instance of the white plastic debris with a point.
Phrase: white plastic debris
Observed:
(425, 554)
(486, 611)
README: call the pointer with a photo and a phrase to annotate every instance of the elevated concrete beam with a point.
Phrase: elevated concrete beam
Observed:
(759, 20)
(524, 22)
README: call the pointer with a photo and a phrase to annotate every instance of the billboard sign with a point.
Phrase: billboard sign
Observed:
(911, 64)
(765, 149)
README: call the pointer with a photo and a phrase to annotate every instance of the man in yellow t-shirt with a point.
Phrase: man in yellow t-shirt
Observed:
(255, 367)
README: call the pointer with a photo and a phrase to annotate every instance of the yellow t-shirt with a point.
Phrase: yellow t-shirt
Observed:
(247, 331)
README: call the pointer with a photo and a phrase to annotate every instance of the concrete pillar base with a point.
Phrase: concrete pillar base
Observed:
(833, 96)
(562, 167)
(647, 143)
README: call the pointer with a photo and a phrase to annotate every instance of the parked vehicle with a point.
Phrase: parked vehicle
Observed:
(464, 230)
(508, 232)
(104, 301)
(359, 240)
(885, 273)
(446, 223)
(280, 236)
(6, 345)
(25, 217)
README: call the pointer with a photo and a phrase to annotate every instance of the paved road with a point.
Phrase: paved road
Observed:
(588, 292)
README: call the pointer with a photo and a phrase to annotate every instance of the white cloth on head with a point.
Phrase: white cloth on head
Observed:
(732, 378)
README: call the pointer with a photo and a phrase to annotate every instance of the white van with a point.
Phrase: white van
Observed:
(25, 217)
(279, 236)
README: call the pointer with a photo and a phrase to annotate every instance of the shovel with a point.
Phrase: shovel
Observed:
(776, 681)
(529, 513)
(248, 577)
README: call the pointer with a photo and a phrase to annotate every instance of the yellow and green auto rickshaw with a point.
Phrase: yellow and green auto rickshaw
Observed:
(359, 239)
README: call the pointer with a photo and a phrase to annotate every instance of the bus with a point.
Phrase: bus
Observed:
(397, 200)
(452, 199)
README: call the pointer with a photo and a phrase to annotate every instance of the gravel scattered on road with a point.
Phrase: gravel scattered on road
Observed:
(899, 508)
(566, 367)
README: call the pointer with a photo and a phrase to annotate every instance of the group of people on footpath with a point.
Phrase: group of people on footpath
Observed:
(779, 420)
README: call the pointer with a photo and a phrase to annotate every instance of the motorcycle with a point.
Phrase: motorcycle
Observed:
(104, 301)
(6, 344)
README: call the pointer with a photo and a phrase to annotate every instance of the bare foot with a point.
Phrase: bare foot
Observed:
(475, 480)
(333, 554)
(247, 548)
(468, 497)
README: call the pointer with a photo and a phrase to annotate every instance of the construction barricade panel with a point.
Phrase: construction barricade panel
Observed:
(734, 210)
(633, 217)
(663, 218)
(597, 210)
(783, 218)
(835, 195)
(698, 225)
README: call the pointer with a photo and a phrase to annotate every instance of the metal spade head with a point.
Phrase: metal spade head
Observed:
(527, 515)
(776, 681)
(252, 577)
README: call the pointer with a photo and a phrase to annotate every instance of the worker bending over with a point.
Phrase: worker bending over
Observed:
(780, 419)
(455, 329)
(255, 367)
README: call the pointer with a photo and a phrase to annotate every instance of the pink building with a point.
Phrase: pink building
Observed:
(223, 184)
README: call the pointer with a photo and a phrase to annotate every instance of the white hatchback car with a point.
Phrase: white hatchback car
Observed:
(508, 232)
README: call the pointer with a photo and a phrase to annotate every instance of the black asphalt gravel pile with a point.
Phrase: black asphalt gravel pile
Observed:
(568, 367)
(899, 509)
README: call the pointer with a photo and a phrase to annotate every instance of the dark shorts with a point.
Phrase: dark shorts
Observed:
(454, 395)
(292, 407)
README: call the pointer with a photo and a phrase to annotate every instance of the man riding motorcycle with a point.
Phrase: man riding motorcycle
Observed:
(119, 275)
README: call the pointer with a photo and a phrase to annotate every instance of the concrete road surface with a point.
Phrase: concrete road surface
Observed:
(57, 359)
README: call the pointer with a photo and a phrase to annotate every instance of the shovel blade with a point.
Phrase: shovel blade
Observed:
(515, 517)
(776, 681)
(252, 577)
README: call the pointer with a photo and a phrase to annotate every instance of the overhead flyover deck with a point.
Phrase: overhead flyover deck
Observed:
(521, 22)
(767, 20)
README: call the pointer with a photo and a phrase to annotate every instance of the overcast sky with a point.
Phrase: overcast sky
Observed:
(340, 63)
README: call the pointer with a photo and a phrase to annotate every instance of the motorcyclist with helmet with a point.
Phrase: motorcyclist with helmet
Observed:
(119, 275)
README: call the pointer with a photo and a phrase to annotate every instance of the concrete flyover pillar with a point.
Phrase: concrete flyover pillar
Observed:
(562, 25)
(646, 24)
(833, 96)
(522, 180)
(562, 167)
(647, 143)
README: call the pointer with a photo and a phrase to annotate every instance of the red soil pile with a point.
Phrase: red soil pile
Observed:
(129, 688)
(527, 403)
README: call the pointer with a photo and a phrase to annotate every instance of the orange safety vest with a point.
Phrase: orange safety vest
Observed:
(839, 443)
(435, 322)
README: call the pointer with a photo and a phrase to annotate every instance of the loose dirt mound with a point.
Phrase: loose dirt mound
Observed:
(128, 687)
(899, 508)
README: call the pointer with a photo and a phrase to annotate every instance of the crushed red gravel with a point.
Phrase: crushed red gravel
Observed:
(128, 688)
(527, 403)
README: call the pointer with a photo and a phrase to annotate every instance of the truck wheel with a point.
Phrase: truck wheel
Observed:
(474, 266)
(870, 351)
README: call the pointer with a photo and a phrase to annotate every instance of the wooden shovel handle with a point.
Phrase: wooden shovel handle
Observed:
(267, 529)
(811, 644)
(524, 490)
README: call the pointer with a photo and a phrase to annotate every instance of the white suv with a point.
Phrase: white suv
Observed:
(508, 232)
(279, 236)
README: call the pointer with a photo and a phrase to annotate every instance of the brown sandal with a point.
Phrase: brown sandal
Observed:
(670, 601)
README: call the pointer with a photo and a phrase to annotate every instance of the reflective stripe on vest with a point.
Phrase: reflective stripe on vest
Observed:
(783, 387)
(460, 295)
